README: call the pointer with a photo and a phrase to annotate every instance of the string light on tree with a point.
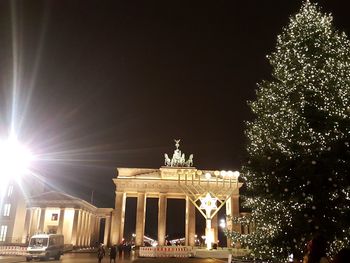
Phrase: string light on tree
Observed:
(297, 175)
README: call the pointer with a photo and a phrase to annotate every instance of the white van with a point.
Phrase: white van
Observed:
(45, 246)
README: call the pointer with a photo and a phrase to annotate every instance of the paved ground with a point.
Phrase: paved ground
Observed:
(91, 258)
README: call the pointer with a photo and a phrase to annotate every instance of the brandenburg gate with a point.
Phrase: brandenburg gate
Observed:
(177, 179)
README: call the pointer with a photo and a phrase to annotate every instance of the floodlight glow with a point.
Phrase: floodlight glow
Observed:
(207, 176)
(222, 223)
(154, 244)
(236, 174)
(15, 159)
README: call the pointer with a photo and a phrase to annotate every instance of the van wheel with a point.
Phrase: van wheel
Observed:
(57, 257)
(28, 259)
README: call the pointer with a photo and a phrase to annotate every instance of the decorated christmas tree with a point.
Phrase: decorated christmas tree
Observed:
(298, 172)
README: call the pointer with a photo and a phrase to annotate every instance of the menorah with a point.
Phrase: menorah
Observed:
(208, 191)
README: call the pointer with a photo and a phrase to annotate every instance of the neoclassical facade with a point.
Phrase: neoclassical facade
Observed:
(163, 183)
(177, 179)
(52, 212)
(57, 212)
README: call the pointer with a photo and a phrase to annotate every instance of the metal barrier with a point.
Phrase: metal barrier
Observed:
(166, 251)
(13, 251)
(147, 252)
(239, 252)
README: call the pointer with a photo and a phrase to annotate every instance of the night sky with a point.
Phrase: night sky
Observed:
(106, 84)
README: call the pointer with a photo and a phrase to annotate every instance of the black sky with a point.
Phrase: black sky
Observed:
(106, 84)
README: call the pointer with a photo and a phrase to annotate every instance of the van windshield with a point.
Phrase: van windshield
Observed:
(38, 242)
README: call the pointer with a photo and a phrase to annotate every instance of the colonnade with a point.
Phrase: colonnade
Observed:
(85, 229)
(80, 227)
(118, 220)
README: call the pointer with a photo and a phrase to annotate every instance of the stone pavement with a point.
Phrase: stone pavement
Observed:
(91, 258)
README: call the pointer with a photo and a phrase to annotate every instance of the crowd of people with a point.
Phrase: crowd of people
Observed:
(121, 250)
(315, 252)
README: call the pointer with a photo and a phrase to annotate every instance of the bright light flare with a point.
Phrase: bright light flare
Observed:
(222, 223)
(14, 158)
(207, 176)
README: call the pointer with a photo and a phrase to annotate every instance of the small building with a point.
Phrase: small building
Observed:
(51, 212)
(13, 209)
(60, 213)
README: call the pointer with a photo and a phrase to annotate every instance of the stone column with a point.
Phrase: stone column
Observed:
(93, 230)
(80, 225)
(90, 230)
(80, 221)
(42, 219)
(75, 227)
(27, 223)
(83, 229)
(35, 219)
(190, 223)
(118, 220)
(98, 228)
(214, 225)
(86, 230)
(162, 204)
(140, 219)
(107, 230)
(232, 209)
(61, 222)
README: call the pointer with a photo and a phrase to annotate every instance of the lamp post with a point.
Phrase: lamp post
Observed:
(208, 191)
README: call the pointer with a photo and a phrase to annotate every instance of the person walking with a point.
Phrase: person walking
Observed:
(113, 254)
(100, 253)
(316, 251)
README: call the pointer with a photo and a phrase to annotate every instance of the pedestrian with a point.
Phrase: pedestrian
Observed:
(113, 254)
(127, 250)
(343, 256)
(120, 250)
(100, 253)
(316, 251)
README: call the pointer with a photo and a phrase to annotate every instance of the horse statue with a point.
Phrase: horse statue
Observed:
(183, 160)
(189, 162)
(167, 161)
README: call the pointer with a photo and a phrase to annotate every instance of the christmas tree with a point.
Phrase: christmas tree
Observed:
(297, 176)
